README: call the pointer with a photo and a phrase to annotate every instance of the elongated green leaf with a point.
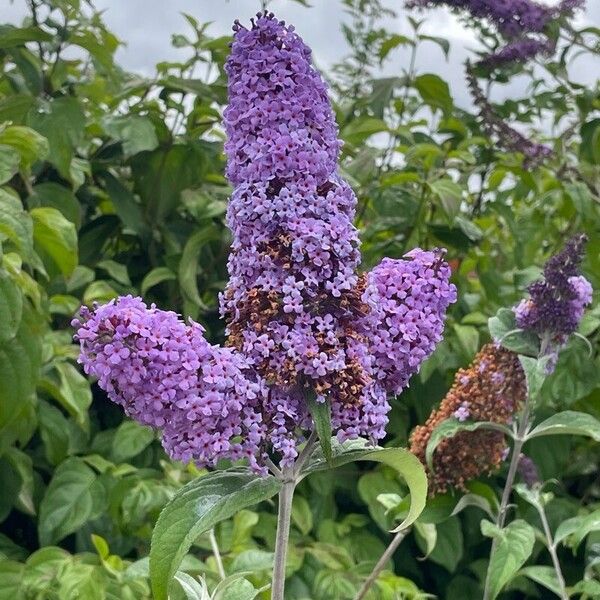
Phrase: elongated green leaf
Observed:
(568, 422)
(434, 91)
(11, 307)
(72, 498)
(188, 265)
(535, 373)
(196, 508)
(130, 439)
(192, 588)
(136, 133)
(514, 547)
(450, 427)
(20, 360)
(321, 416)
(545, 576)
(62, 122)
(17, 36)
(577, 528)
(56, 238)
(404, 462)
(156, 276)
(9, 162)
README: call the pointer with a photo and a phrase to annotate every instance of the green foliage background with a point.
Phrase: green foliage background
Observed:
(111, 183)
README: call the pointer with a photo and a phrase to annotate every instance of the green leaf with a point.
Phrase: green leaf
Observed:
(393, 41)
(568, 422)
(545, 576)
(535, 374)
(192, 588)
(503, 329)
(450, 195)
(73, 497)
(18, 36)
(321, 416)
(426, 536)
(9, 163)
(188, 265)
(406, 464)
(75, 394)
(514, 546)
(450, 427)
(20, 360)
(11, 575)
(23, 467)
(136, 133)
(16, 225)
(357, 131)
(130, 439)
(30, 145)
(196, 508)
(116, 270)
(11, 307)
(448, 550)
(235, 588)
(56, 238)
(62, 122)
(577, 528)
(156, 276)
(434, 91)
(301, 514)
(57, 196)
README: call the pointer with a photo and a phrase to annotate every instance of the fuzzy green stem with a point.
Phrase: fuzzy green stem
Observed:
(519, 441)
(552, 550)
(387, 555)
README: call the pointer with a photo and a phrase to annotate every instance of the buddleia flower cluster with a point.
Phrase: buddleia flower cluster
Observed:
(492, 389)
(303, 324)
(524, 24)
(556, 302)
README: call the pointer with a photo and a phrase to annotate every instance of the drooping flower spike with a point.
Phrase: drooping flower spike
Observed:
(492, 389)
(300, 318)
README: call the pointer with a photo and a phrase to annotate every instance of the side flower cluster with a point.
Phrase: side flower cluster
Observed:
(490, 389)
(165, 374)
(556, 303)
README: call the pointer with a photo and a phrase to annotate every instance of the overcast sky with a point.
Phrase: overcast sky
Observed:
(146, 27)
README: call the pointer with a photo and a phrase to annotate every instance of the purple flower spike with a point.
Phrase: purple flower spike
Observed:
(556, 303)
(300, 318)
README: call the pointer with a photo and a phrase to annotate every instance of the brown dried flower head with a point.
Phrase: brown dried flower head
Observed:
(490, 389)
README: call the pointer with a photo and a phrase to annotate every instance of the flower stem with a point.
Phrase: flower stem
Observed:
(552, 550)
(519, 440)
(290, 476)
(387, 555)
(284, 516)
(216, 554)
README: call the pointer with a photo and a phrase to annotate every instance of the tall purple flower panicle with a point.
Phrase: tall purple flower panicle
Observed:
(300, 319)
(556, 302)
(295, 305)
(165, 374)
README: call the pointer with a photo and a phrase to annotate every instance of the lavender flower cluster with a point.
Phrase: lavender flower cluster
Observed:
(300, 319)
(165, 374)
(556, 303)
